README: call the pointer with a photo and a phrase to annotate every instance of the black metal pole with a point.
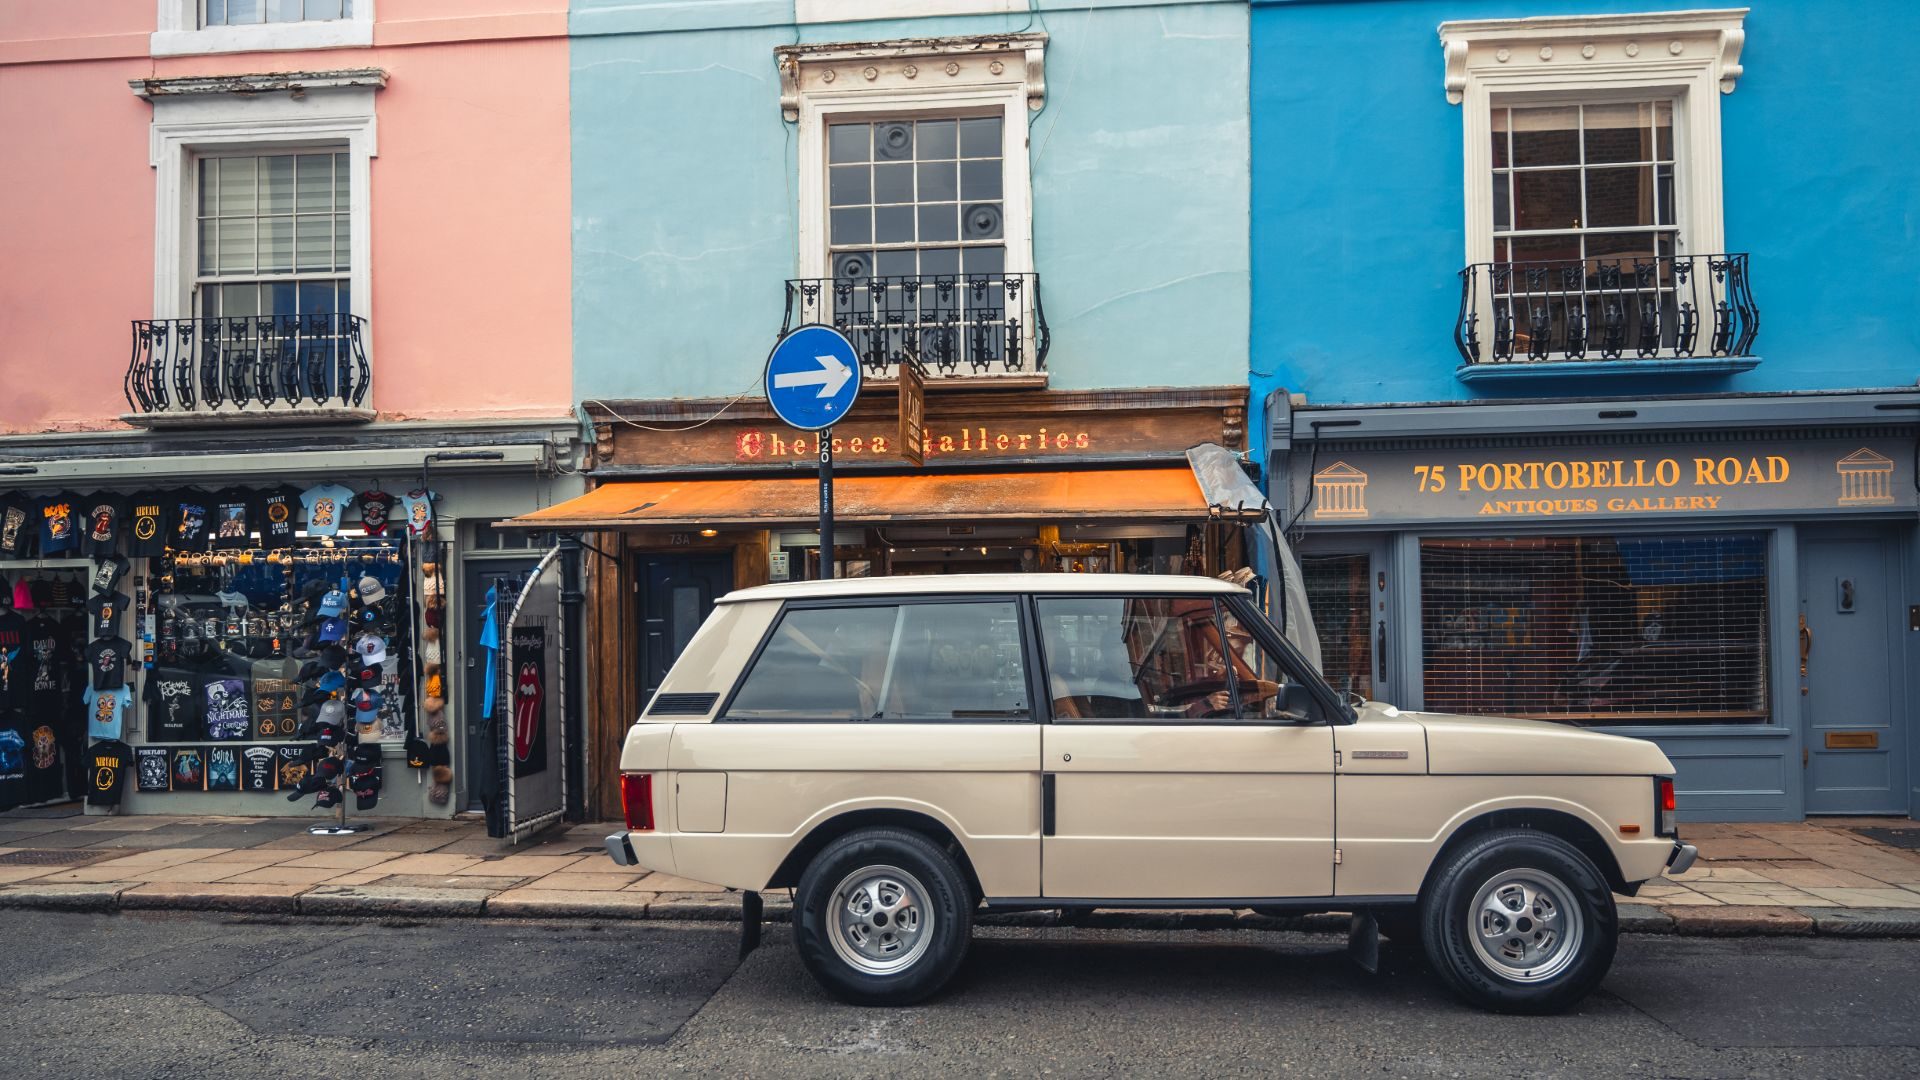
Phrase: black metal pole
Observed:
(573, 688)
(826, 504)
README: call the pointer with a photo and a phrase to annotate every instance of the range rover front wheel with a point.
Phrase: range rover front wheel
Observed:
(883, 917)
(1519, 921)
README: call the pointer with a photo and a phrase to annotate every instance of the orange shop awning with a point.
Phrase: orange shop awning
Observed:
(1141, 494)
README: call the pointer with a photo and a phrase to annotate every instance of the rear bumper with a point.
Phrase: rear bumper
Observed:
(1682, 858)
(620, 850)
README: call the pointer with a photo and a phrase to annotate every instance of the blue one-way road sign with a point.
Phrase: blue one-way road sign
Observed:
(813, 377)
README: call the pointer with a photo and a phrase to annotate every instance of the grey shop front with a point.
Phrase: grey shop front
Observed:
(1734, 577)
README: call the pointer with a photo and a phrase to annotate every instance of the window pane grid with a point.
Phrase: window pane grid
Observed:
(915, 197)
(1556, 169)
(255, 12)
(273, 233)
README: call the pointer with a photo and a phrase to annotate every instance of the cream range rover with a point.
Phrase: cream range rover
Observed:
(905, 752)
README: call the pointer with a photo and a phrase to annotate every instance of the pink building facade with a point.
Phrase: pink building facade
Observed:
(279, 246)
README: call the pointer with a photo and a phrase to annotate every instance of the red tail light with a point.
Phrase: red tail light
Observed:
(1663, 802)
(636, 798)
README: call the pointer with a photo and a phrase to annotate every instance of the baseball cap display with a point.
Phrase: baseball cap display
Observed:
(331, 629)
(333, 602)
(372, 649)
(371, 591)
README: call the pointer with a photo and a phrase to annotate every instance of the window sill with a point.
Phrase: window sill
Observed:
(1581, 369)
(230, 417)
(266, 37)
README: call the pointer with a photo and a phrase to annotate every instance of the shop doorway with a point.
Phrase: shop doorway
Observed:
(1851, 639)
(676, 595)
(481, 758)
(1347, 592)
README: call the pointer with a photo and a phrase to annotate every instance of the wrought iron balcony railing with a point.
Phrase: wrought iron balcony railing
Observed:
(253, 364)
(1666, 307)
(986, 325)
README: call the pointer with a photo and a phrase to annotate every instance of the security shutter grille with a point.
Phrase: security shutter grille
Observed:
(1597, 629)
(1337, 596)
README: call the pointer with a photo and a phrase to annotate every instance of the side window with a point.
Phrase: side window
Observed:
(956, 662)
(1258, 674)
(1140, 658)
(934, 661)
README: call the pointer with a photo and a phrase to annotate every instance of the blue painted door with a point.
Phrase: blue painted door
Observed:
(1850, 644)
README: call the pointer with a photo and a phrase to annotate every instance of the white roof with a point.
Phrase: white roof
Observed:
(920, 585)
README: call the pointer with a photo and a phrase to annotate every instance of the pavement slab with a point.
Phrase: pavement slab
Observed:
(391, 900)
(213, 896)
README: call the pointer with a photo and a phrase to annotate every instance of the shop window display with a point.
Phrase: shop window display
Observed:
(1598, 630)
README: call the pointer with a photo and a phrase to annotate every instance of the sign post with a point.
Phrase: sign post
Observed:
(913, 412)
(812, 380)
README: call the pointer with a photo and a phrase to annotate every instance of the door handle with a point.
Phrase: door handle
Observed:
(1380, 650)
(1806, 643)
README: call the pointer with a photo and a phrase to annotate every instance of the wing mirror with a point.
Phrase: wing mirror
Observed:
(1297, 703)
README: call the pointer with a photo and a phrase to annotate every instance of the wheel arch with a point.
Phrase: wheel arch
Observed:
(1569, 827)
(787, 874)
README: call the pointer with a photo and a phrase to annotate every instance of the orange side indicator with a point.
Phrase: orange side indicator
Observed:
(1629, 829)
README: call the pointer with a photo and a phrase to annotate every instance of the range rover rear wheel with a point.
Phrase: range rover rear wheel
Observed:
(1519, 921)
(883, 917)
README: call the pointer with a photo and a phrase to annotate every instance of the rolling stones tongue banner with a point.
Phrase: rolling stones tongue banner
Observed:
(528, 687)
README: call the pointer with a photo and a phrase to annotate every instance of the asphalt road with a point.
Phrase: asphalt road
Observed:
(166, 995)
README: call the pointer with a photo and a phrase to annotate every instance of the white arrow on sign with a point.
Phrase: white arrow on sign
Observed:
(833, 375)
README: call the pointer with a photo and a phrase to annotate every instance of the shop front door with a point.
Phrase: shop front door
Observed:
(1851, 640)
(676, 594)
(481, 726)
(1346, 582)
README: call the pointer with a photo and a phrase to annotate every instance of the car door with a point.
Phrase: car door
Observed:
(1169, 771)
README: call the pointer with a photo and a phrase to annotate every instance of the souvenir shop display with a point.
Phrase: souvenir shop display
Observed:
(432, 752)
(204, 641)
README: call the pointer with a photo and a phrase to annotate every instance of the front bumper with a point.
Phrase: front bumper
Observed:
(1677, 863)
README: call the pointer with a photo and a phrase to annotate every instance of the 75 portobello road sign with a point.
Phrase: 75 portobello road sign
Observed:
(1367, 486)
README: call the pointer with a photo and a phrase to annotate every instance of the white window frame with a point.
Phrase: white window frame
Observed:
(331, 111)
(179, 32)
(822, 84)
(1692, 57)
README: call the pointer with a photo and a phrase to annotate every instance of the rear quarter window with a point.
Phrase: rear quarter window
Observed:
(930, 661)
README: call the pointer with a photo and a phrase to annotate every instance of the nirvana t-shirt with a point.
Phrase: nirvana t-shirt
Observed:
(224, 706)
(256, 768)
(223, 768)
(106, 711)
(105, 613)
(173, 708)
(375, 508)
(273, 516)
(152, 768)
(57, 531)
(192, 522)
(101, 517)
(16, 524)
(325, 505)
(232, 527)
(107, 764)
(107, 663)
(146, 527)
(189, 768)
(276, 699)
(417, 507)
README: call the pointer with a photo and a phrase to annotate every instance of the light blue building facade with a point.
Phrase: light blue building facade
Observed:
(1584, 336)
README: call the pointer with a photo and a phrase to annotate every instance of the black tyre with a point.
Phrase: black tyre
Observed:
(883, 917)
(1519, 921)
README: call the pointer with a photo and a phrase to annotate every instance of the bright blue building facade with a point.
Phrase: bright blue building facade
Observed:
(1584, 333)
